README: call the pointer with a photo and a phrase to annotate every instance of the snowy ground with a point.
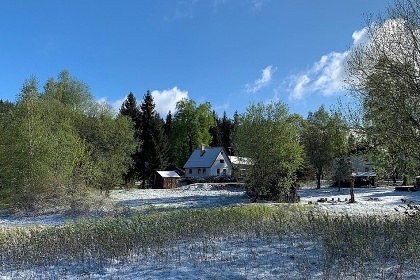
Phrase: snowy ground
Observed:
(192, 196)
(241, 258)
(369, 201)
(380, 200)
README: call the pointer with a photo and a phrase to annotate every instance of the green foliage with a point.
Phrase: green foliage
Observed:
(324, 139)
(268, 135)
(130, 109)
(222, 133)
(56, 144)
(190, 128)
(342, 170)
(110, 143)
(384, 75)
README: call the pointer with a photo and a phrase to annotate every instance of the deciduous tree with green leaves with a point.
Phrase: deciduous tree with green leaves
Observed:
(324, 138)
(190, 128)
(384, 75)
(56, 144)
(268, 135)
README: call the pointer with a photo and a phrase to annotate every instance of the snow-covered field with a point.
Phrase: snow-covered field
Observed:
(381, 200)
(191, 196)
(369, 201)
(240, 258)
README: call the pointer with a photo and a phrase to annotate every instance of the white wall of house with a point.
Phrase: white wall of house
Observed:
(221, 166)
(197, 172)
(361, 163)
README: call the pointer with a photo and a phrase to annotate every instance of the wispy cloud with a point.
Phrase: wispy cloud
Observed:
(166, 100)
(325, 76)
(184, 10)
(261, 82)
(258, 3)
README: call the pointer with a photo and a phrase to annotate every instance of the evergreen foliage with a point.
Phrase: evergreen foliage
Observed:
(153, 155)
(130, 110)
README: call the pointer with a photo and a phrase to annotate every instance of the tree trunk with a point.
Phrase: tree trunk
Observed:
(318, 180)
(352, 200)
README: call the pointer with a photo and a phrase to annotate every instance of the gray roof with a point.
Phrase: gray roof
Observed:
(203, 158)
(168, 174)
(364, 174)
(240, 160)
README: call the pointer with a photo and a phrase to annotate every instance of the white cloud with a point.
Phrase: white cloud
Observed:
(116, 105)
(299, 85)
(263, 81)
(166, 100)
(360, 36)
(327, 75)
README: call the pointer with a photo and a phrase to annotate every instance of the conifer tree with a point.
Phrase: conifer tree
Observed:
(153, 155)
(130, 109)
(226, 127)
(215, 132)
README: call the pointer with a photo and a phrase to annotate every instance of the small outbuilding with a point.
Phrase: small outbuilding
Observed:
(240, 166)
(166, 180)
(363, 179)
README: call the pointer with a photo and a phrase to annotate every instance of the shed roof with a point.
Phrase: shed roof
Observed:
(364, 174)
(240, 160)
(203, 157)
(168, 174)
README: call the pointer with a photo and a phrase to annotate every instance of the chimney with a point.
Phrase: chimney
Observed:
(203, 149)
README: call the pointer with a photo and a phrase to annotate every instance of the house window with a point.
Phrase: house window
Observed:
(222, 161)
(224, 171)
(218, 171)
(199, 170)
(204, 170)
(190, 171)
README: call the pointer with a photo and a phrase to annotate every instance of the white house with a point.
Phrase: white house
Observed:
(208, 162)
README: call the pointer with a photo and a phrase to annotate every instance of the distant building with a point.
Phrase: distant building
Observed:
(166, 179)
(240, 166)
(363, 172)
(207, 162)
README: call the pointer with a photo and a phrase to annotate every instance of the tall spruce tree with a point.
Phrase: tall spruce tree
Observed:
(216, 140)
(226, 128)
(153, 155)
(130, 109)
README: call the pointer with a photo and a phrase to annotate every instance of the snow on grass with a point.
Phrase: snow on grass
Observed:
(191, 196)
(228, 258)
(369, 201)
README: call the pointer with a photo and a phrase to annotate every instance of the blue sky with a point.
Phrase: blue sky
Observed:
(228, 52)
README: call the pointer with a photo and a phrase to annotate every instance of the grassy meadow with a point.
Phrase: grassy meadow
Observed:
(253, 241)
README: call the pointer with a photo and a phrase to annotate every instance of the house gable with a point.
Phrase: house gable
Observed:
(208, 162)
